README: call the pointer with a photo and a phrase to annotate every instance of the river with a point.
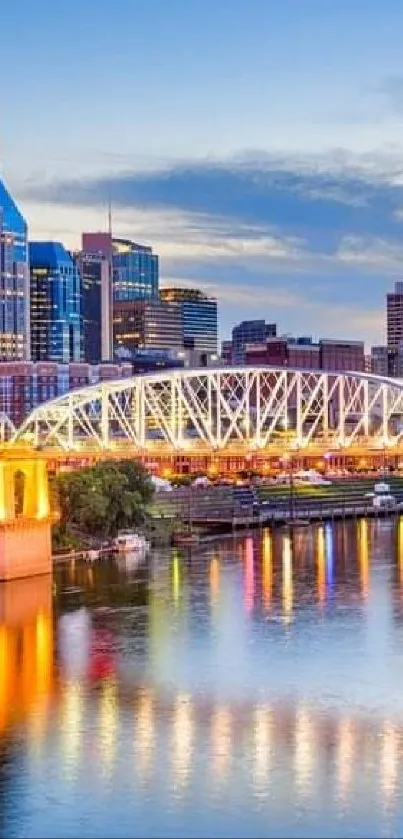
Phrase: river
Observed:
(250, 687)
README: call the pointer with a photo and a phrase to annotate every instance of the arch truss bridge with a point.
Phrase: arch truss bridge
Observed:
(222, 410)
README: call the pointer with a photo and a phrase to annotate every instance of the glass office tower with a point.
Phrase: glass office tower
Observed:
(135, 271)
(135, 268)
(14, 281)
(96, 306)
(199, 318)
(56, 324)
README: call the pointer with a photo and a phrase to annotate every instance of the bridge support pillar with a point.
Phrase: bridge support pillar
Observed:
(25, 521)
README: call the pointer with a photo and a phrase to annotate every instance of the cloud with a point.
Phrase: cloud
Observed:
(311, 243)
(374, 253)
(317, 205)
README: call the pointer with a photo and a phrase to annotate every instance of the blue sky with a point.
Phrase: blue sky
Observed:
(256, 145)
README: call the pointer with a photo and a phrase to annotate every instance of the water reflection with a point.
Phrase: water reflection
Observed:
(259, 678)
(26, 650)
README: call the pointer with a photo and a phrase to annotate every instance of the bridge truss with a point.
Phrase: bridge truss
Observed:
(216, 410)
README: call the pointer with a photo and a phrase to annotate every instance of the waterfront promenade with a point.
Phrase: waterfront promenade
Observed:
(227, 507)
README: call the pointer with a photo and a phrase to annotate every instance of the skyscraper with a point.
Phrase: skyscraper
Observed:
(394, 310)
(56, 333)
(135, 267)
(199, 318)
(14, 281)
(150, 324)
(96, 305)
(135, 271)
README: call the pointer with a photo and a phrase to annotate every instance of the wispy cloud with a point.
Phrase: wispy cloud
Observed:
(318, 205)
(313, 243)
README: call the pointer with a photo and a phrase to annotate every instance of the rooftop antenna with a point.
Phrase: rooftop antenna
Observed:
(109, 348)
(110, 214)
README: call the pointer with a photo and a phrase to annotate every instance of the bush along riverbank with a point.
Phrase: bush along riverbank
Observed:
(93, 504)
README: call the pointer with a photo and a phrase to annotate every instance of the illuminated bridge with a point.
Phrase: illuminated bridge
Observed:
(224, 418)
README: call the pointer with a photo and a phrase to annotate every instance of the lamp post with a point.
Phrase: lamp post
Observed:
(288, 460)
(384, 445)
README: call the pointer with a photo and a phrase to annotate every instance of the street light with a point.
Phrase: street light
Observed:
(384, 447)
(288, 460)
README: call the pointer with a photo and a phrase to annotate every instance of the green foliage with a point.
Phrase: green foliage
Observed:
(62, 539)
(103, 499)
(182, 480)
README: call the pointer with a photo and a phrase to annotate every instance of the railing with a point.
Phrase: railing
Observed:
(217, 506)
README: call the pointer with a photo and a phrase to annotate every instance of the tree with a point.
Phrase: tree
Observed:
(103, 499)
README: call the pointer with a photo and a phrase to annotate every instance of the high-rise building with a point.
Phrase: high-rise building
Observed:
(152, 324)
(96, 305)
(394, 315)
(14, 281)
(135, 267)
(250, 332)
(199, 318)
(135, 271)
(56, 333)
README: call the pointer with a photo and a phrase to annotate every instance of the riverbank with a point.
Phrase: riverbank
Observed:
(224, 509)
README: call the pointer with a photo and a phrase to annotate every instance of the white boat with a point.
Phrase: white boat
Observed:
(381, 496)
(130, 542)
(92, 555)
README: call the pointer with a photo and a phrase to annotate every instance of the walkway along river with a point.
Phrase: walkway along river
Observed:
(225, 508)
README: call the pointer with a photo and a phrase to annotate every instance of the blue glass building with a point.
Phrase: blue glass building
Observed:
(56, 324)
(135, 271)
(199, 318)
(14, 281)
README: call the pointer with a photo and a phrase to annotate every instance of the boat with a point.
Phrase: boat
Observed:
(92, 555)
(130, 542)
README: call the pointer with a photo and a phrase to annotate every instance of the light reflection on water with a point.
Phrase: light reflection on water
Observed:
(251, 687)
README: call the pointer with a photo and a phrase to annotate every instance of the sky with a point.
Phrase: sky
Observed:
(257, 145)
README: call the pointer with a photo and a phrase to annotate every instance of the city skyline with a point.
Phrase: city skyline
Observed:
(263, 163)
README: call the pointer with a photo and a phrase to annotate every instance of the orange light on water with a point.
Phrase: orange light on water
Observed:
(4, 665)
(363, 556)
(320, 548)
(249, 582)
(267, 569)
(44, 652)
(288, 593)
(176, 579)
(214, 579)
(400, 552)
